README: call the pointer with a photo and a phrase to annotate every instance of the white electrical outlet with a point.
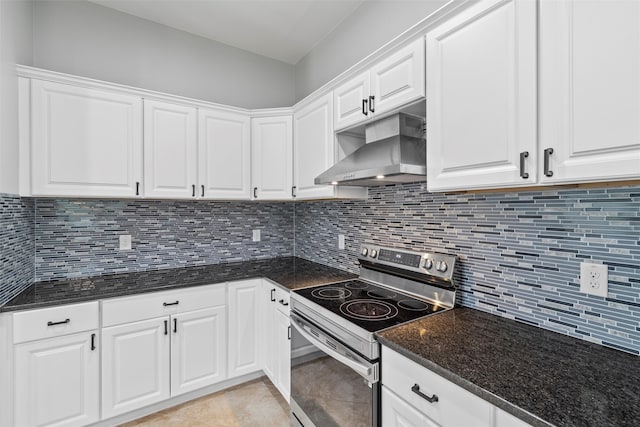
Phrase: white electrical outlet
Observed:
(256, 235)
(594, 279)
(340, 241)
(125, 242)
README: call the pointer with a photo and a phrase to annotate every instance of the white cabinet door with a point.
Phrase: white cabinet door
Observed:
(170, 150)
(398, 413)
(481, 108)
(224, 155)
(268, 329)
(57, 381)
(590, 90)
(314, 147)
(272, 157)
(398, 79)
(283, 354)
(351, 101)
(135, 365)
(244, 326)
(198, 349)
(85, 142)
(504, 419)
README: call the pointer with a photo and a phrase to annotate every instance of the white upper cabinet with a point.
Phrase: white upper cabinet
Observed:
(224, 154)
(481, 103)
(84, 142)
(589, 90)
(351, 100)
(272, 157)
(170, 150)
(314, 147)
(393, 82)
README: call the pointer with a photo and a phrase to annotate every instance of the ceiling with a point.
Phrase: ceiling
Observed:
(283, 30)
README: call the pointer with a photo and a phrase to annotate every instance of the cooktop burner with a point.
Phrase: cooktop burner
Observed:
(369, 306)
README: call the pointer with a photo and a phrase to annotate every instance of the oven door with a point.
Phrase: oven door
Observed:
(337, 388)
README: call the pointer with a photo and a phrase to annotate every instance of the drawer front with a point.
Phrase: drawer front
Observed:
(118, 311)
(455, 406)
(282, 301)
(55, 321)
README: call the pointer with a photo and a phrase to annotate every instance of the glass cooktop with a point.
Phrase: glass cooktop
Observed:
(369, 306)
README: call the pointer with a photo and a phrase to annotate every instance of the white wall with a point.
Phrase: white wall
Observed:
(373, 24)
(15, 47)
(89, 40)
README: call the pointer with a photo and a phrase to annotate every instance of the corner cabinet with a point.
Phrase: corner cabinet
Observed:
(84, 141)
(244, 327)
(272, 158)
(589, 90)
(314, 151)
(481, 108)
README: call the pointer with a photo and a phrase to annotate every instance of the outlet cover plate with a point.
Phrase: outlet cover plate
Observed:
(125, 242)
(340, 241)
(594, 279)
(256, 235)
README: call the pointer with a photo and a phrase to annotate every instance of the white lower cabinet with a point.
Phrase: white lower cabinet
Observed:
(135, 365)
(198, 349)
(282, 348)
(412, 395)
(244, 327)
(181, 348)
(398, 413)
(57, 381)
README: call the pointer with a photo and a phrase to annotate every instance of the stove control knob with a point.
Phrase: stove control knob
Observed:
(365, 251)
(428, 264)
(374, 253)
(442, 267)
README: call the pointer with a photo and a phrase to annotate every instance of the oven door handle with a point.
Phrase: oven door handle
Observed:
(368, 372)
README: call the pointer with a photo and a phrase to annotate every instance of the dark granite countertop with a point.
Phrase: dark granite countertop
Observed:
(289, 272)
(542, 377)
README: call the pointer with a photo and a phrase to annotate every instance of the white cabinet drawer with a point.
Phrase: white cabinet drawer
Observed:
(55, 321)
(455, 406)
(282, 301)
(148, 306)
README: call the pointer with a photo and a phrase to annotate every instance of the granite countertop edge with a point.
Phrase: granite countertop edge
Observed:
(309, 274)
(466, 384)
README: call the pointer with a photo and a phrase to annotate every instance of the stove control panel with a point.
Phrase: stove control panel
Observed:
(434, 264)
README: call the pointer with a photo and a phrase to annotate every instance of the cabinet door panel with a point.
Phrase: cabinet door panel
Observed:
(481, 108)
(85, 142)
(198, 349)
(272, 157)
(590, 89)
(347, 99)
(224, 153)
(268, 329)
(57, 382)
(169, 150)
(244, 325)
(398, 413)
(135, 366)
(314, 147)
(283, 354)
(399, 79)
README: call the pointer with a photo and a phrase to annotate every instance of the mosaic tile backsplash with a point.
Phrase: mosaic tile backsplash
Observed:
(16, 245)
(79, 238)
(519, 253)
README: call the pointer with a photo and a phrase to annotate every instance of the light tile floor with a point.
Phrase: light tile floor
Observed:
(254, 404)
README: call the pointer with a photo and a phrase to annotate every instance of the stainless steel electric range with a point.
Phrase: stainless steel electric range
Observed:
(339, 386)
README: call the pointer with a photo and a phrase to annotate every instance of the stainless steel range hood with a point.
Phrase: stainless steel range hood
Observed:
(395, 152)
